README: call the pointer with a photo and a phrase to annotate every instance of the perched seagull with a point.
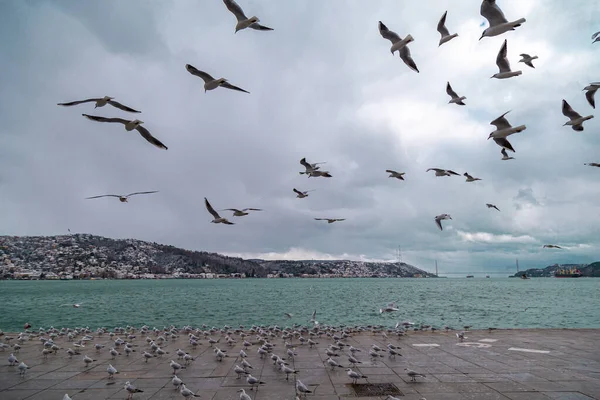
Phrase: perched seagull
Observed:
(504, 143)
(302, 195)
(575, 120)
(122, 199)
(504, 65)
(399, 44)
(439, 218)
(101, 102)
(527, 59)
(131, 389)
(442, 172)
(211, 83)
(243, 21)
(455, 98)
(217, 218)
(441, 28)
(596, 37)
(492, 206)
(176, 381)
(413, 375)
(301, 387)
(593, 164)
(111, 371)
(129, 126)
(504, 128)
(498, 22)
(185, 392)
(330, 220)
(394, 174)
(470, 178)
(67, 397)
(505, 155)
(355, 375)
(253, 381)
(241, 213)
(551, 246)
(592, 88)
(244, 395)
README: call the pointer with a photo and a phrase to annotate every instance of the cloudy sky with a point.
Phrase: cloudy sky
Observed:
(323, 86)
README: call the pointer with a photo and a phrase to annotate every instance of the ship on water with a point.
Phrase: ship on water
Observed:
(568, 273)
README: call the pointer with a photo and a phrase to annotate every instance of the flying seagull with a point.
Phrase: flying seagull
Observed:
(243, 21)
(211, 83)
(593, 164)
(241, 213)
(217, 218)
(442, 172)
(492, 206)
(504, 128)
(504, 65)
(330, 220)
(498, 22)
(527, 59)
(394, 174)
(404, 50)
(575, 120)
(505, 156)
(122, 198)
(129, 126)
(592, 88)
(302, 195)
(470, 178)
(455, 98)
(310, 166)
(596, 37)
(504, 143)
(439, 218)
(101, 102)
(551, 246)
(441, 28)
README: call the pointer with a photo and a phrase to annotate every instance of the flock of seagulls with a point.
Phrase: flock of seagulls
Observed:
(498, 25)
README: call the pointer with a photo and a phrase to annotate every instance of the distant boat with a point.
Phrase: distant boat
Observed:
(470, 276)
(568, 273)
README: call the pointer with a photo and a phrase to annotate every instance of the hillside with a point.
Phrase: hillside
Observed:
(84, 256)
(589, 270)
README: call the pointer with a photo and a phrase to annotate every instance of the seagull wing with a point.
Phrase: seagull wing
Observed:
(252, 209)
(210, 209)
(260, 27)
(568, 111)
(390, 171)
(146, 135)
(340, 219)
(467, 175)
(502, 60)
(434, 169)
(134, 193)
(297, 191)
(407, 58)
(104, 195)
(438, 222)
(104, 119)
(504, 143)
(441, 27)
(451, 92)
(452, 172)
(595, 35)
(490, 11)
(122, 107)
(232, 87)
(74, 103)
(306, 165)
(589, 95)
(501, 122)
(195, 71)
(320, 219)
(387, 34)
(235, 9)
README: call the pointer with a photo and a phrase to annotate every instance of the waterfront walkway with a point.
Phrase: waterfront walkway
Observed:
(502, 364)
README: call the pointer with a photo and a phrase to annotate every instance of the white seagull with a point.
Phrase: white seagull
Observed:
(575, 120)
(399, 44)
(355, 375)
(243, 21)
(504, 65)
(498, 22)
(391, 307)
(527, 59)
(122, 199)
(395, 174)
(456, 99)
(302, 195)
(439, 218)
(330, 220)
(504, 128)
(101, 102)
(470, 178)
(441, 28)
(442, 172)
(592, 88)
(129, 126)
(217, 218)
(211, 83)
(413, 375)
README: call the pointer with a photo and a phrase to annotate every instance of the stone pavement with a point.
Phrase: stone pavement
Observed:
(556, 364)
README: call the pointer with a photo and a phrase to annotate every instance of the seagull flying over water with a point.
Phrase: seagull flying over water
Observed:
(442, 172)
(399, 44)
(505, 156)
(527, 59)
(394, 174)
(498, 22)
(455, 98)
(492, 206)
(217, 218)
(470, 178)
(129, 126)
(302, 195)
(243, 21)
(504, 128)
(439, 218)
(330, 220)
(504, 65)
(575, 120)
(211, 83)
(122, 199)
(592, 88)
(441, 28)
(389, 308)
(101, 102)
(241, 213)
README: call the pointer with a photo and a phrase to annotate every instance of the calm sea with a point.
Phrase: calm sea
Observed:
(479, 302)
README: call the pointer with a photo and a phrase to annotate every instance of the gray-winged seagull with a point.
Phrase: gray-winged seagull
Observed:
(301, 194)
(575, 120)
(470, 178)
(395, 174)
(101, 102)
(527, 59)
(129, 126)
(439, 218)
(330, 220)
(122, 199)
(441, 28)
(403, 50)
(217, 218)
(504, 128)
(456, 99)
(492, 206)
(498, 22)
(243, 21)
(211, 83)
(592, 88)
(442, 172)
(504, 65)
(242, 212)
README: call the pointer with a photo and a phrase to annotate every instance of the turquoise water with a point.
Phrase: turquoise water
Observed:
(554, 303)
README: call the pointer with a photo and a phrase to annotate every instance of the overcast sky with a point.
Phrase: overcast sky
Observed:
(323, 86)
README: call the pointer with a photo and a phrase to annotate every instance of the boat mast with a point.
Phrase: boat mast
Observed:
(436, 270)
(517, 265)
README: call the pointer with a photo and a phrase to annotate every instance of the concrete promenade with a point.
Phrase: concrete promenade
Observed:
(501, 364)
